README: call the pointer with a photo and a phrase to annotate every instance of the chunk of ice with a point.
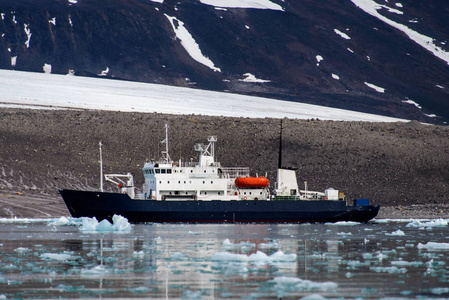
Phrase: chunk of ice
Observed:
(397, 233)
(120, 224)
(56, 256)
(285, 285)
(433, 245)
(432, 223)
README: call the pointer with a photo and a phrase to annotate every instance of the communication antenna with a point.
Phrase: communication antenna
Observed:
(165, 155)
(280, 149)
(101, 168)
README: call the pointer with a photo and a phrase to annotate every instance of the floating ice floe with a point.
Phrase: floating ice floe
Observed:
(396, 233)
(244, 246)
(120, 225)
(403, 263)
(179, 256)
(440, 290)
(269, 245)
(22, 220)
(139, 290)
(97, 271)
(390, 270)
(343, 223)
(56, 256)
(434, 246)
(138, 254)
(64, 221)
(259, 257)
(22, 250)
(432, 223)
(283, 285)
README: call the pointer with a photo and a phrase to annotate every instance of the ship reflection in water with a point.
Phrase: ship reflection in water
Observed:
(263, 261)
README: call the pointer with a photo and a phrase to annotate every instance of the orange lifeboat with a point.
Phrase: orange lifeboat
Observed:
(251, 182)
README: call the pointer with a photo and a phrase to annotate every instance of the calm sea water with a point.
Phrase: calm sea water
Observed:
(62, 259)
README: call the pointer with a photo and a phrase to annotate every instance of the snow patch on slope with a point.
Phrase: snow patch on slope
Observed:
(189, 43)
(251, 78)
(28, 33)
(426, 42)
(342, 34)
(256, 4)
(412, 103)
(375, 87)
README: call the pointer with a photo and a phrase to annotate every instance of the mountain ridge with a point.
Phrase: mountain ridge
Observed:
(329, 53)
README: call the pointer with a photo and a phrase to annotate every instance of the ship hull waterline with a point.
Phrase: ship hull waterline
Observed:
(103, 205)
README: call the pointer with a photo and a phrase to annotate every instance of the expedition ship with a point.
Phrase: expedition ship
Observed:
(206, 192)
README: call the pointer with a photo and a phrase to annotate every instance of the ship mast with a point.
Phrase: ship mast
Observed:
(101, 168)
(280, 149)
(165, 155)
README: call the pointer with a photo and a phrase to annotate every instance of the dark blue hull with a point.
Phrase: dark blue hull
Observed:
(104, 205)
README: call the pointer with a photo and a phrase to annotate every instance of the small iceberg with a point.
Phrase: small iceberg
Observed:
(396, 233)
(434, 245)
(283, 285)
(119, 225)
(258, 257)
(432, 223)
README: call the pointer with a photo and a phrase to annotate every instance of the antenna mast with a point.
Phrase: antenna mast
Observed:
(101, 168)
(280, 149)
(165, 155)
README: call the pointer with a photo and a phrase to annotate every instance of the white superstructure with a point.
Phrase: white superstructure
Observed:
(202, 180)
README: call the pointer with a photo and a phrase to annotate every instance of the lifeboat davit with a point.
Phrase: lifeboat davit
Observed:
(251, 182)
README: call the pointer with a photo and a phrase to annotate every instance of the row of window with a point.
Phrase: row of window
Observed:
(179, 182)
(168, 171)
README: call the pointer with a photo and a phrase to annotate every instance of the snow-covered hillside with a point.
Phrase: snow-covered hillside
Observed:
(381, 57)
(50, 91)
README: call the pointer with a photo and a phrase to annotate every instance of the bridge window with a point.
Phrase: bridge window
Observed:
(158, 171)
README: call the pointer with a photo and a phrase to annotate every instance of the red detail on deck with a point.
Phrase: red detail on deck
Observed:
(251, 182)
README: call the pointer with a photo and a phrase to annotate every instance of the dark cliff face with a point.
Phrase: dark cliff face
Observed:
(329, 53)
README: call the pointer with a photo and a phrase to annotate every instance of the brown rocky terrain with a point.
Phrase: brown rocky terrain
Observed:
(403, 167)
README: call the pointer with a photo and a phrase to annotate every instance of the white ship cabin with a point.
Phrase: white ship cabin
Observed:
(287, 188)
(203, 180)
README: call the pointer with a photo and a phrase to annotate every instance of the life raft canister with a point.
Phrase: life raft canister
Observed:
(252, 182)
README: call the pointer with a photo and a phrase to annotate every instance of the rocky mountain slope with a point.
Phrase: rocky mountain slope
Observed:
(381, 57)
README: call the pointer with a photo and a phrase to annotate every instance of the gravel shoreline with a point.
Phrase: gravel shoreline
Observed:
(401, 166)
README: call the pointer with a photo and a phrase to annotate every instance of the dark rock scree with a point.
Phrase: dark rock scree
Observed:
(393, 164)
